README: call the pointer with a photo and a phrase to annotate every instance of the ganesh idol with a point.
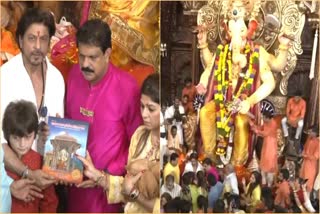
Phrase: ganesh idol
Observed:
(236, 78)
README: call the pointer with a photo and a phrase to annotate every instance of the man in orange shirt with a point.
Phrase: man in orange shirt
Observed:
(296, 109)
(269, 159)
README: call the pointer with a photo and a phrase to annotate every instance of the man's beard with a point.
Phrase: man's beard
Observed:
(35, 58)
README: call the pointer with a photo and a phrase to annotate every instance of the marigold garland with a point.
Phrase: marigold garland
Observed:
(224, 96)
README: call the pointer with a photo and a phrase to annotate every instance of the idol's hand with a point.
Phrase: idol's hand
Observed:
(202, 35)
(284, 40)
(235, 106)
(244, 107)
(201, 89)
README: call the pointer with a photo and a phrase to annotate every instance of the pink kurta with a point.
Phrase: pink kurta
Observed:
(115, 102)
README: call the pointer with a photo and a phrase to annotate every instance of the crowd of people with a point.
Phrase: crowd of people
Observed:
(229, 156)
(192, 182)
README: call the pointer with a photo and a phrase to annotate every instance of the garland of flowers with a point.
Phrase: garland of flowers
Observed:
(224, 96)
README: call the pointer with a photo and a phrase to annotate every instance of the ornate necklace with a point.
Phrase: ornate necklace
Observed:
(154, 151)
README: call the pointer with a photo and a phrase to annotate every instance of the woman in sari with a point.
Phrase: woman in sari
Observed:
(252, 192)
(144, 150)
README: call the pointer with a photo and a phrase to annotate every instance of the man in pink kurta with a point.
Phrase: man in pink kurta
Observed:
(112, 107)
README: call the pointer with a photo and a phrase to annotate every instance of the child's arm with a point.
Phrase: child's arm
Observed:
(14, 164)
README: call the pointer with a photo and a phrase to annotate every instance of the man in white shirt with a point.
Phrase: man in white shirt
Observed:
(193, 165)
(230, 181)
(30, 76)
(170, 187)
(173, 115)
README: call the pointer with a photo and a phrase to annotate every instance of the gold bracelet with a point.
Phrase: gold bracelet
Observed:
(202, 46)
(283, 47)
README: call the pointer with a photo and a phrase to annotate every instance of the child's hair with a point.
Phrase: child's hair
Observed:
(20, 119)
